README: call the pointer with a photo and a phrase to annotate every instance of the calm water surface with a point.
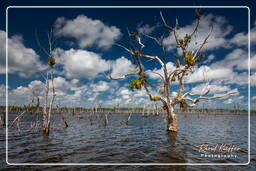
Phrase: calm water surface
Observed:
(143, 140)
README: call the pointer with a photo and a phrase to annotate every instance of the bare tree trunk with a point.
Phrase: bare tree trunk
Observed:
(106, 120)
(45, 113)
(51, 104)
(171, 119)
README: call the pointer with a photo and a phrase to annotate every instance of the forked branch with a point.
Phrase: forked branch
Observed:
(202, 98)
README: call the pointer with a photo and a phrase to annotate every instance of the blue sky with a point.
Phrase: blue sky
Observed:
(85, 50)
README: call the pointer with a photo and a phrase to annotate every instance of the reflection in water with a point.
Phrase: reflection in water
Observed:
(173, 154)
(143, 140)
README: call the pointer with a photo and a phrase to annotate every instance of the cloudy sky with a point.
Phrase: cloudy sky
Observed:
(86, 51)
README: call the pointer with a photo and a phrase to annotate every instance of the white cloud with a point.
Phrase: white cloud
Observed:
(214, 89)
(37, 87)
(68, 92)
(253, 98)
(225, 70)
(238, 59)
(20, 96)
(125, 97)
(234, 100)
(205, 73)
(88, 32)
(253, 62)
(2, 90)
(241, 39)
(120, 67)
(209, 59)
(228, 101)
(124, 93)
(237, 78)
(100, 86)
(170, 67)
(146, 29)
(253, 79)
(217, 39)
(81, 63)
(21, 60)
(2, 94)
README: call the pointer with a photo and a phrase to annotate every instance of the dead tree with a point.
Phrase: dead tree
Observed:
(184, 66)
(106, 120)
(49, 81)
(65, 122)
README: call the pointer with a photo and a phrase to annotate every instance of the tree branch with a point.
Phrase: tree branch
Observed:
(204, 42)
(201, 98)
(19, 116)
(121, 77)
(157, 74)
(153, 38)
(165, 24)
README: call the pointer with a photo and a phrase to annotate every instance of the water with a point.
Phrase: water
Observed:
(143, 140)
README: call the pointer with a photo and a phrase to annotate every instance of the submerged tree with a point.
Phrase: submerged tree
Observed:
(184, 66)
(49, 83)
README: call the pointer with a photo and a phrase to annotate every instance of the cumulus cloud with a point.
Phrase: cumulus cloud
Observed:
(253, 98)
(205, 73)
(232, 69)
(86, 64)
(241, 39)
(214, 89)
(101, 86)
(120, 67)
(238, 59)
(68, 92)
(238, 99)
(221, 29)
(146, 29)
(170, 67)
(125, 97)
(81, 63)
(21, 60)
(253, 62)
(2, 94)
(253, 79)
(87, 31)
(209, 59)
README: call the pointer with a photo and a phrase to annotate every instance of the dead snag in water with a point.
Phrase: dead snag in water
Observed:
(51, 64)
(106, 120)
(2, 121)
(127, 120)
(17, 121)
(65, 122)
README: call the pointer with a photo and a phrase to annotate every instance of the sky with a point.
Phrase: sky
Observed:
(85, 51)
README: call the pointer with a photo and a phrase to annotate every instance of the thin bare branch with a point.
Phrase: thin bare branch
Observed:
(128, 50)
(121, 77)
(165, 24)
(40, 46)
(153, 38)
(202, 98)
(196, 28)
(204, 42)
(154, 58)
(154, 72)
(16, 119)
(177, 70)
(193, 94)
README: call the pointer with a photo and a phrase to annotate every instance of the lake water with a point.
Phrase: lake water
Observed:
(143, 140)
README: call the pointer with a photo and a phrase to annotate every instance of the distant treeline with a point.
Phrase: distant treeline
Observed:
(76, 110)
